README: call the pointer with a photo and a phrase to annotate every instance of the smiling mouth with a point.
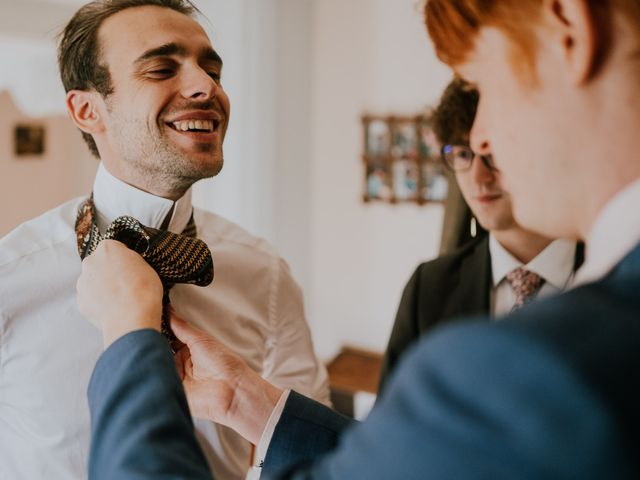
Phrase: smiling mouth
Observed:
(195, 126)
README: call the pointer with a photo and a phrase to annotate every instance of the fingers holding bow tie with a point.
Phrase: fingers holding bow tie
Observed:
(119, 292)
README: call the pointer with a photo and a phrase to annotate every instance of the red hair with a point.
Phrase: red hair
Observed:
(454, 24)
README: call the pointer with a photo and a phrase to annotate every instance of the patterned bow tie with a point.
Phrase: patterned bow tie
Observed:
(525, 285)
(175, 258)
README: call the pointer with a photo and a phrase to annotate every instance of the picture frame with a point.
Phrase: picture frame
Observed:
(29, 140)
(401, 159)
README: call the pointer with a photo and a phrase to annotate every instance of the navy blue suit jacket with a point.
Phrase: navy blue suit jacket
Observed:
(550, 393)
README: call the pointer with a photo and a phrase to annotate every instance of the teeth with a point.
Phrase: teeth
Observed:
(186, 125)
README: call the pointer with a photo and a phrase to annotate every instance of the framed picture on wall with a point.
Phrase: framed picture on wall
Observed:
(405, 138)
(377, 145)
(378, 182)
(29, 140)
(402, 160)
(377, 138)
(404, 153)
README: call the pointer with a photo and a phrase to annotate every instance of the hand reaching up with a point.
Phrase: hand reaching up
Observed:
(219, 385)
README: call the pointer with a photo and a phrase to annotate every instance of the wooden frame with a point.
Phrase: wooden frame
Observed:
(402, 160)
(29, 140)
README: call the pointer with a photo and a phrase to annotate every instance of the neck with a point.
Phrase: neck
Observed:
(173, 194)
(148, 182)
(522, 244)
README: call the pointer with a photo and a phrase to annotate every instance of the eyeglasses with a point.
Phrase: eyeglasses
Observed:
(459, 158)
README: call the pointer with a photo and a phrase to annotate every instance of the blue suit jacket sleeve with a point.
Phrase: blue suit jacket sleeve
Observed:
(292, 444)
(140, 422)
(468, 402)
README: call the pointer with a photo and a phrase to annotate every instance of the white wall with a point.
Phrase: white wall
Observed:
(368, 56)
(28, 29)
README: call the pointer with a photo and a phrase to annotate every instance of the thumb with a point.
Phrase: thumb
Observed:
(184, 331)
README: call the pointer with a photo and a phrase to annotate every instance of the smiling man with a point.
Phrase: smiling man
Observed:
(550, 393)
(161, 122)
(144, 86)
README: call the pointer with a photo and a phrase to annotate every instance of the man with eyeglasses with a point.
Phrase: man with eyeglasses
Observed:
(491, 274)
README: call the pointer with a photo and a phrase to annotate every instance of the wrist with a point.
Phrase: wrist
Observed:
(114, 329)
(254, 401)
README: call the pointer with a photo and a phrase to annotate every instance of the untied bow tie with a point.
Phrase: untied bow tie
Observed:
(175, 258)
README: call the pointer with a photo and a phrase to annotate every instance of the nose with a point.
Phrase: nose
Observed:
(478, 139)
(480, 173)
(198, 84)
(479, 143)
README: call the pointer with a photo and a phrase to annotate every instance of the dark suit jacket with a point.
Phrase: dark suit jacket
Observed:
(449, 288)
(552, 393)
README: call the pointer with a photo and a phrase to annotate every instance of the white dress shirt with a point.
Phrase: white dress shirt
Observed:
(613, 235)
(48, 350)
(554, 264)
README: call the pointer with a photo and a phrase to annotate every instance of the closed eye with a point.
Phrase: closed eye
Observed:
(164, 72)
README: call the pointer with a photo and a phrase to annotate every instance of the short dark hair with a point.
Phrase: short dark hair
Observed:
(81, 67)
(453, 117)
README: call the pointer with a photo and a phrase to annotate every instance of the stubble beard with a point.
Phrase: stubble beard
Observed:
(158, 165)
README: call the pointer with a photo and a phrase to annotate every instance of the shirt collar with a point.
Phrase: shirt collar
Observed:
(113, 198)
(554, 264)
(615, 232)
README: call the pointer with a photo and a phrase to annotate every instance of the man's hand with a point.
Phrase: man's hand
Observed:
(119, 292)
(220, 386)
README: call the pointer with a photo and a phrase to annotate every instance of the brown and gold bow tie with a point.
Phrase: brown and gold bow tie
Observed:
(175, 258)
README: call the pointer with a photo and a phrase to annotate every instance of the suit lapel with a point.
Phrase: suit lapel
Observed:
(471, 294)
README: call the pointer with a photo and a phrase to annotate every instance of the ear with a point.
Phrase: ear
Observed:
(84, 110)
(574, 26)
